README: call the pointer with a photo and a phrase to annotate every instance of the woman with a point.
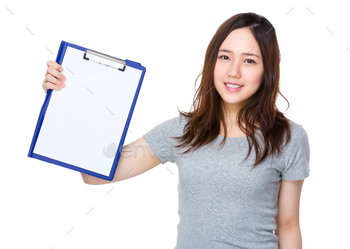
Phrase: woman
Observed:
(241, 162)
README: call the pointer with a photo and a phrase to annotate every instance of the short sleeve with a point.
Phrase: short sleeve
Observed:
(297, 157)
(160, 141)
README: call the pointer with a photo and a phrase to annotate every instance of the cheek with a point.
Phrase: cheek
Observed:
(219, 72)
(255, 78)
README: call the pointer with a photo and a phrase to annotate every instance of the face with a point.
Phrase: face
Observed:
(233, 65)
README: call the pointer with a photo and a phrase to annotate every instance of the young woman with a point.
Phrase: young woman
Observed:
(241, 162)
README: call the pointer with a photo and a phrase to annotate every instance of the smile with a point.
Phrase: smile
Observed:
(233, 87)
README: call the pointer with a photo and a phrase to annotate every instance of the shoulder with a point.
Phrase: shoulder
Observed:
(297, 130)
(299, 136)
(296, 154)
(174, 123)
(168, 128)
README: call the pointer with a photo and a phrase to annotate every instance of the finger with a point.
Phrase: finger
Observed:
(55, 65)
(49, 85)
(53, 80)
(55, 73)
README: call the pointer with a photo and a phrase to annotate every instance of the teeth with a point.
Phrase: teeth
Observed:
(233, 86)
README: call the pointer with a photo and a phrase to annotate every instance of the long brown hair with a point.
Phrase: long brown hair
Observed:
(204, 121)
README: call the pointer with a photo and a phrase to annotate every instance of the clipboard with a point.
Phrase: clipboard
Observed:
(83, 126)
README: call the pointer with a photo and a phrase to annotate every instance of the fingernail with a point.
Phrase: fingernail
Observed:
(62, 69)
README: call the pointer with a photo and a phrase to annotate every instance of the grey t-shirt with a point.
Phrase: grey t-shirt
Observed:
(222, 203)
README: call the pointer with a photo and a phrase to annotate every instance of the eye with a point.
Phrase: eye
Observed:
(224, 57)
(252, 62)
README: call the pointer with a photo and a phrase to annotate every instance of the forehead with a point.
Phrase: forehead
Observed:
(241, 40)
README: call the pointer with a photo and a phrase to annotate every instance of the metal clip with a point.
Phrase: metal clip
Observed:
(105, 57)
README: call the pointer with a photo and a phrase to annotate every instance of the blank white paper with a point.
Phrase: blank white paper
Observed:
(89, 114)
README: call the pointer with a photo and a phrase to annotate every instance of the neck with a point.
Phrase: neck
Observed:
(231, 118)
(231, 113)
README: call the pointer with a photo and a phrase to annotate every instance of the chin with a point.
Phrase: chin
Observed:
(231, 101)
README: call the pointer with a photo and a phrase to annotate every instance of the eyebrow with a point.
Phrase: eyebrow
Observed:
(229, 51)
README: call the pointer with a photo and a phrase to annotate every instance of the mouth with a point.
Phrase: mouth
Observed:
(233, 85)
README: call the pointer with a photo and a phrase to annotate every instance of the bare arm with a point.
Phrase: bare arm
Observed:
(289, 237)
(287, 218)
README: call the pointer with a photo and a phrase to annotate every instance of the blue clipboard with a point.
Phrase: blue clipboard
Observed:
(83, 126)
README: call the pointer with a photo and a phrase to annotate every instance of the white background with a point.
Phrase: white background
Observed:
(48, 206)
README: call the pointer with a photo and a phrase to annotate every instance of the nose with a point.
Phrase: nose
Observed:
(229, 70)
(233, 71)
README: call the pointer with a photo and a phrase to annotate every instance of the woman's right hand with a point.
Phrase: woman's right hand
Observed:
(53, 77)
